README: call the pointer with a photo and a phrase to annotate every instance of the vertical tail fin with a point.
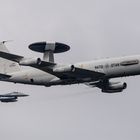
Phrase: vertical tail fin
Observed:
(7, 66)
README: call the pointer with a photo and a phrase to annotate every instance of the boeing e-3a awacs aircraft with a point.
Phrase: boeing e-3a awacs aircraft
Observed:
(45, 71)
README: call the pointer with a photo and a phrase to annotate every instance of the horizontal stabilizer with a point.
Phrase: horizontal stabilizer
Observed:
(4, 76)
(10, 56)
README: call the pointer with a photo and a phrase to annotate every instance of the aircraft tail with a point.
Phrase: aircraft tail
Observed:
(7, 66)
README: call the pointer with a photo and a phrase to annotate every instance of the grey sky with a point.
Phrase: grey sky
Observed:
(94, 29)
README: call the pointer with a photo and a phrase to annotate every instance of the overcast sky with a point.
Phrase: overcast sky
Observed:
(94, 29)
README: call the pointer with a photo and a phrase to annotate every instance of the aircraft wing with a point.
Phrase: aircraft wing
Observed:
(23, 61)
(79, 73)
(76, 74)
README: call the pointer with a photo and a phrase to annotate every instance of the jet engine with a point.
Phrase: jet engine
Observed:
(62, 69)
(29, 62)
(114, 87)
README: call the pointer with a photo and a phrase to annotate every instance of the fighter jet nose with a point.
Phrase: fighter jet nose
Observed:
(24, 95)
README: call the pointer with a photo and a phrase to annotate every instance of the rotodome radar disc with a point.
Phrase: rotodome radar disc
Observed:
(44, 46)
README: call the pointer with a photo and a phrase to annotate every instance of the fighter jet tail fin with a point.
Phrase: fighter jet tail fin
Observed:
(7, 66)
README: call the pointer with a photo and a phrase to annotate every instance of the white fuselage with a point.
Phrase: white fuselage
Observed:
(111, 67)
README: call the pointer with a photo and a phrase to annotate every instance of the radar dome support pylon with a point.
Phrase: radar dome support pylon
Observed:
(48, 49)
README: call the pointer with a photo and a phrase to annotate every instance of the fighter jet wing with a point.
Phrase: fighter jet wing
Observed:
(14, 94)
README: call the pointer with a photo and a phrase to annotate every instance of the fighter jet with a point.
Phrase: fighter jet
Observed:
(46, 72)
(11, 97)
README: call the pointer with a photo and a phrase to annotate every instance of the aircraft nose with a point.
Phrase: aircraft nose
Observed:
(22, 95)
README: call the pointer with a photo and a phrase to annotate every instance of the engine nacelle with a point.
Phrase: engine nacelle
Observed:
(69, 68)
(114, 87)
(29, 62)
